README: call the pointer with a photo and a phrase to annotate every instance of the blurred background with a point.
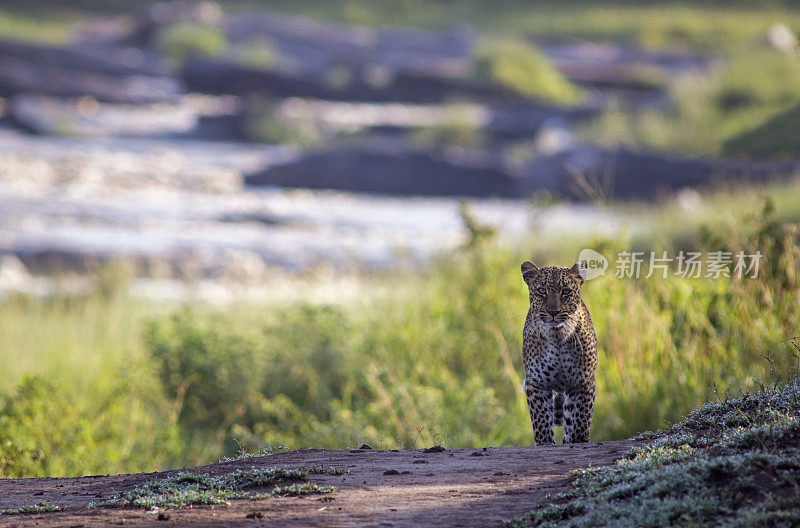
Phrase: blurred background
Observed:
(248, 226)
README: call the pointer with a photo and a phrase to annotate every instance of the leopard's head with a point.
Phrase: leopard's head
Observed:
(555, 294)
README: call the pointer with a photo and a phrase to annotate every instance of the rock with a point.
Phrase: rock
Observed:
(612, 64)
(106, 74)
(622, 74)
(86, 117)
(101, 60)
(591, 173)
(14, 275)
(554, 136)
(153, 17)
(395, 169)
(502, 122)
(302, 44)
(442, 53)
(313, 47)
(344, 83)
(782, 38)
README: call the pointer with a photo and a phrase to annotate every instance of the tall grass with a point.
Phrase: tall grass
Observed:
(435, 361)
(76, 394)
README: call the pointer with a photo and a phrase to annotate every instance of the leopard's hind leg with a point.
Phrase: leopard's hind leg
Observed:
(558, 408)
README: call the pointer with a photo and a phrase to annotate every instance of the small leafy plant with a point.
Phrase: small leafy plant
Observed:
(188, 489)
(39, 507)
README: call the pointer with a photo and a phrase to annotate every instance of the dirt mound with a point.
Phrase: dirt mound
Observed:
(458, 487)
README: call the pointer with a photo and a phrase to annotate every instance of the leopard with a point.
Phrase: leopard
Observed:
(559, 353)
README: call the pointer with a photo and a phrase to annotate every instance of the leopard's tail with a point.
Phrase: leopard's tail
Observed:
(558, 408)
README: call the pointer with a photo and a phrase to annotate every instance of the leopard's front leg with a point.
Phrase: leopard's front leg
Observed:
(540, 406)
(578, 409)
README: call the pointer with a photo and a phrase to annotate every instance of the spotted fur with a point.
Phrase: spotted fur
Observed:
(559, 352)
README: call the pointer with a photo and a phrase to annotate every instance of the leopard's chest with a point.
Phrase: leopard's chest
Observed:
(553, 364)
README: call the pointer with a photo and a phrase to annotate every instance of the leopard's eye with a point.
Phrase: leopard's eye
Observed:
(541, 291)
(566, 292)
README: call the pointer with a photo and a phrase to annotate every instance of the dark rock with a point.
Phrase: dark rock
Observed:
(216, 76)
(447, 53)
(394, 169)
(511, 122)
(307, 44)
(118, 61)
(315, 47)
(110, 75)
(155, 16)
(590, 173)
(225, 127)
(434, 449)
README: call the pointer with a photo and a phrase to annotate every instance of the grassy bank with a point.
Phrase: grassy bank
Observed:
(734, 462)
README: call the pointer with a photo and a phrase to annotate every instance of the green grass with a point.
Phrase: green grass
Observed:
(778, 137)
(735, 462)
(63, 338)
(54, 27)
(189, 489)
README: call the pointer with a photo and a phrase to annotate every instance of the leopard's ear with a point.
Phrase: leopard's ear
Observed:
(529, 271)
(577, 271)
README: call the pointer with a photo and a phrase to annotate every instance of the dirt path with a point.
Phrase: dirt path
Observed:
(458, 487)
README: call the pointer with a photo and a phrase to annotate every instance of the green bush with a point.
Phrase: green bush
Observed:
(401, 374)
(521, 68)
(47, 431)
(259, 55)
(444, 366)
(180, 41)
(286, 372)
